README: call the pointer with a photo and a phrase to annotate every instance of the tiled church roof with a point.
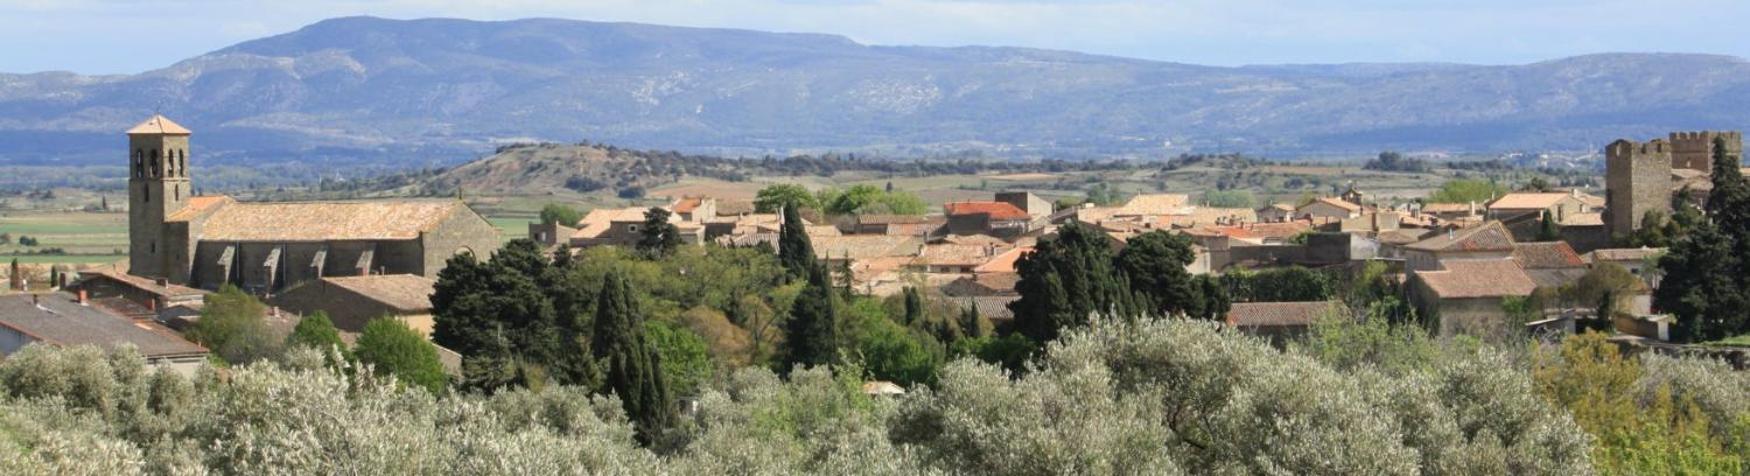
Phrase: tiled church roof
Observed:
(158, 124)
(327, 221)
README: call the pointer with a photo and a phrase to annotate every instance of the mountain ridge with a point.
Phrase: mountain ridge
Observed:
(440, 91)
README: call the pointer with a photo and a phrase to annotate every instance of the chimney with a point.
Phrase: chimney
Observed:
(82, 297)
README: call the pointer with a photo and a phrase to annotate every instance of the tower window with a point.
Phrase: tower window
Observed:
(179, 192)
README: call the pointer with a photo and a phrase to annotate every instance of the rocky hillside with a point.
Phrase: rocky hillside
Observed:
(442, 91)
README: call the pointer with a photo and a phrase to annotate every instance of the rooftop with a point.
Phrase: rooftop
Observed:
(326, 221)
(1154, 204)
(1622, 254)
(858, 247)
(404, 292)
(1491, 236)
(996, 210)
(158, 124)
(1547, 255)
(59, 319)
(1003, 262)
(1478, 279)
(1335, 202)
(1277, 314)
(1527, 201)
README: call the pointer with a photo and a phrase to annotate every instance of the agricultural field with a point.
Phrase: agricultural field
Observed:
(82, 237)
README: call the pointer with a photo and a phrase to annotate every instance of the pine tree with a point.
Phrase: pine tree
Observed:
(812, 332)
(634, 371)
(795, 251)
(1154, 263)
(658, 238)
(1077, 263)
(1547, 229)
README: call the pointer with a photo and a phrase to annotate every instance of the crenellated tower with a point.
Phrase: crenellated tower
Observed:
(1637, 179)
(1695, 150)
(158, 186)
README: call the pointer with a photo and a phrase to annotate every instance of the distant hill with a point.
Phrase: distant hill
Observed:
(440, 91)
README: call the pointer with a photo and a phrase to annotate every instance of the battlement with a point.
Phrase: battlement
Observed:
(1627, 149)
(1706, 136)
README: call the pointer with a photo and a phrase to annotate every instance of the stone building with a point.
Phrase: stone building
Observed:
(351, 302)
(210, 241)
(1641, 177)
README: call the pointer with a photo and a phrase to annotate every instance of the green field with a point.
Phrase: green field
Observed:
(85, 237)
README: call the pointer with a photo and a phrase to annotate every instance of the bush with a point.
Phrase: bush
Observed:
(233, 325)
(396, 349)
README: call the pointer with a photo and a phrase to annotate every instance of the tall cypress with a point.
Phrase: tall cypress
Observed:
(1067, 279)
(1547, 229)
(811, 335)
(795, 251)
(634, 371)
(914, 306)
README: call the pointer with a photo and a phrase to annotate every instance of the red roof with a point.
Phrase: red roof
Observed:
(996, 210)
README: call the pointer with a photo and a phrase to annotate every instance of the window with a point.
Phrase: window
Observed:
(632, 228)
(179, 192)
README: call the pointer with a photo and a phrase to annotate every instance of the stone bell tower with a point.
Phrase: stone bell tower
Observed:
(158, 187)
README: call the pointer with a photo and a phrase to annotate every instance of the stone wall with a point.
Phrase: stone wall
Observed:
(1695, 150)
(464, 230)
(1637, 178)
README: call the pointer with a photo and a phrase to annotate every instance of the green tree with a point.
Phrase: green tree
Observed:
(1291, 284)
(914, 307)
(1548, 229)
(390, 346)
(795, 250)
(1700, 286)
(521, 296)
(888, 351)
(1229, 198)
(774, 198)
(1154, 263)
(685, 357)
(976, 325)
(316, 331)
(233, 325)
(560, 213)
(1066, 279)
(1467, 191)
(634, 368)
(812, 331)
(658, 237)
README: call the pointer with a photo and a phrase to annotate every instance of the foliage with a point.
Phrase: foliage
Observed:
(1103, 194)
(1373, 341)
(1642, 426)
(812, 334)
(869, 199)
(560, 213)
(233, 325)
(795, 250)
(1229, 198)
(1700, 286)
(658, 238)
(316, 331)
(686, 359)
(1290, 284)
(631, 193)
(1548, 229)
(888, 351)
(1154, 265)
(632, 365)
(1467, 191)
(524, 299)
(393, 348)
(774, 198)
(1394, 162)
(1066, 279)
(1604, 280)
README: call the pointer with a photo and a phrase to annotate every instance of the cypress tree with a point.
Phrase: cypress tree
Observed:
(795, 251)
(977, 326)
(1699, 286)
(658, 238)
(1547, 229)
(914, 306)
(634, 371)
(811, 333)
(1154, 263)
(1076, 262)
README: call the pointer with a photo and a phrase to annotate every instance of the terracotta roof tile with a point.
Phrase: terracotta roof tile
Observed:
(200, 206)
(1336, 202)
(1491, 236)
(158, 124)
(59, 319)
(1278, 314)
(1154, 205)
(996, 210)
(1547, 255)
(948, 254)
(404, 292)
(1478, 278)
(1622, 254)
(687, 204)
(859, 247)
(1003, 262)
(326, 221)
(1527, 201)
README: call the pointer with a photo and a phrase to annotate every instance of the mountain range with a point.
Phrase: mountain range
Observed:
(441, 91)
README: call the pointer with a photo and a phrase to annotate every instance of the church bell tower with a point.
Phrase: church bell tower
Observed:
(158, 186)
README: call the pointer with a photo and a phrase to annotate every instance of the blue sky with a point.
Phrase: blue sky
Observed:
(130, 36)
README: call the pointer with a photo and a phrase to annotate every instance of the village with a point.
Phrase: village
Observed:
(1510, 266)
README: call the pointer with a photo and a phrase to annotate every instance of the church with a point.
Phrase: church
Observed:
(211, 241)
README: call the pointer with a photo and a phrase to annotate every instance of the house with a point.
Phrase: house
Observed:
(1035, 206)
(1467, 296)
(1450, 211)
(1533, 205)
(1280, 321)
(694, 209)
(1490, 240)
(133, 296)
(353, 301)
(849, 249)
(1275, 213)
(1328, 208)
(899, 225)
(68, 319)
(983, 284)
(1551, 264)
(609, 226)
(998, 219)
(1004, 262)
(1154, 205)
(954, 258)
(1371, 223)
(551, 234)
(1638, 261)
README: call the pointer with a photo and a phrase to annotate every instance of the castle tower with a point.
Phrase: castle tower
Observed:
(1695, 150)
(1637, 178)
(158, 186)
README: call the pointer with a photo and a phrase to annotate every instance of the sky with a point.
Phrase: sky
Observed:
(131, 36)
